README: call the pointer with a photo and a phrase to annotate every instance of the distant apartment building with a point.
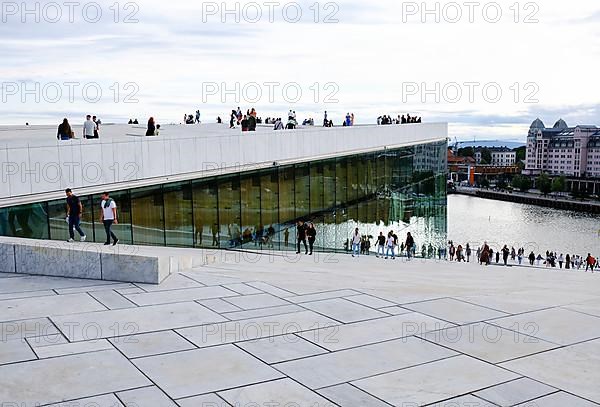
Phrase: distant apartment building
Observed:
(563, 150)
(501, 157)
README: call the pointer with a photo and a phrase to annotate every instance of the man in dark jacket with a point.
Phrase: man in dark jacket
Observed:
(251, 123)
(301, 236)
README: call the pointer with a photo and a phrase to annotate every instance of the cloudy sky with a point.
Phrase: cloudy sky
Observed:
(488, 68)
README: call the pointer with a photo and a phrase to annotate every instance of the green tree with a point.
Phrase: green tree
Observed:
(486, 156)
(501, 184)
(466, 152)
(526, 184)
(559, 184)
(544, 184)
(522, 183)
(484, 183)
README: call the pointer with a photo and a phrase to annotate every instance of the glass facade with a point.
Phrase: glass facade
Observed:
(403, 190)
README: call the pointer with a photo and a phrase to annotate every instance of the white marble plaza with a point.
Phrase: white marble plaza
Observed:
(328, 330)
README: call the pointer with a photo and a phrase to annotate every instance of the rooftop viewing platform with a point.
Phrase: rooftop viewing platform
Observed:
(37, 165)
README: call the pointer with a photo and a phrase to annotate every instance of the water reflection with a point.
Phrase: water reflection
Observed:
(475, 220)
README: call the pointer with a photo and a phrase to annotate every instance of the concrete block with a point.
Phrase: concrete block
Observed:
(7, 258)
(57, 259)
(134, 268)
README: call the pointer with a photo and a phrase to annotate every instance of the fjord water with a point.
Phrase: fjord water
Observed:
(475, 220)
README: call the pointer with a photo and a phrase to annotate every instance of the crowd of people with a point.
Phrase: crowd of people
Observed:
(387, 119)
(237, 119)
(247, 121)
(192, 118)
(387, 245)
(486, 255)
(91, 129)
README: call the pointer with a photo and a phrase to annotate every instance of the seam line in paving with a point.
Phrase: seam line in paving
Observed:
(191, 279)
(225, 315)
(364, 305)
(269, 284)
(579, 312)
(141, 372)
(482, 306)
(89, 352)
(285, 376)
(233, 305)
(335, 298)
(249, 295)
(97, 300)
(90, 396)
(361, 390)
(374, 296)
(454, 324)
(515, 314)
(125, 298)
(530, 400)
(18, 295)
(497, 366)
(239, 293)
(490, 322)
(389, 371)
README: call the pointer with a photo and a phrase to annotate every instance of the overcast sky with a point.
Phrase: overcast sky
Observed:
(164, 58)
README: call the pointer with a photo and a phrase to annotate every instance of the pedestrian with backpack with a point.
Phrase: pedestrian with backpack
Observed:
(108, 215)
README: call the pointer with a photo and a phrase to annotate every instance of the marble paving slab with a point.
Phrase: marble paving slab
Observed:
(68, 378)
(457, 312)
(515, 392)
(17, 350)
(281, 348)
(262, 312)
(11, 310)
(343, 310)
(488, 342)
(155, 343)
(346, 395)
(370, 301)
(557, 325)
(181, 374)
(373, 331)
(254, 328)
(283, 392)
(173, 296)
(560, 399)
(354, 364)
(146, 397)
(63, 349)
(562, 368)
(435, 382)
(132, 321)
(108, 400)
(250, 302)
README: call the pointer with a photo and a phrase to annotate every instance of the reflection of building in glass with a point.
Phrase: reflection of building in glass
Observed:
(29, 221)
(392, 189)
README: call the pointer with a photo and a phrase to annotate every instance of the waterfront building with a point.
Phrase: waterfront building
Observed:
(563, 150)
(501, 156)
(213, 187)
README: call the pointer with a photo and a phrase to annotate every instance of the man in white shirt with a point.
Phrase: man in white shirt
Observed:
(108, 215)
(356, 240)
(88, 127)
